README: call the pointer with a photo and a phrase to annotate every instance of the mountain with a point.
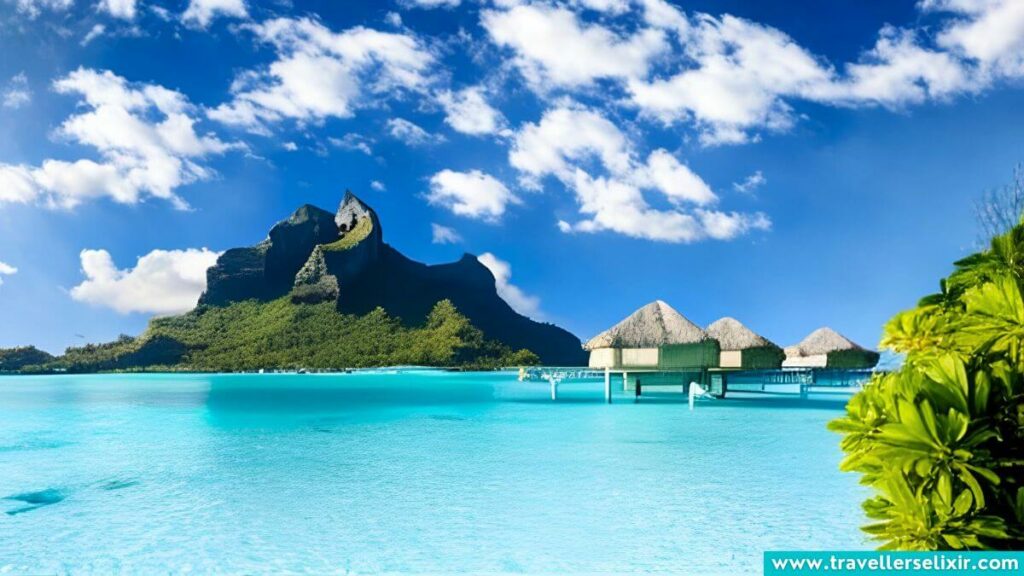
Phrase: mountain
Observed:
(315, 256)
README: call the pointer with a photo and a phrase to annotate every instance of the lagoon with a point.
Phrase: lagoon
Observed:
(418, 471)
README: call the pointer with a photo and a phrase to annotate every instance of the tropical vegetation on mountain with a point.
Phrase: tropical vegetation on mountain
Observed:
(252, 335)
(13, 359)
(941, 440)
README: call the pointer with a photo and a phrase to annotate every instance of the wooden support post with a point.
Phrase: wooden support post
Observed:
(625, 382)
(725, 384)
(554, 388)
(608, 385)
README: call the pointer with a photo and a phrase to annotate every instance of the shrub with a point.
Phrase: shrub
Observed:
(942, 439)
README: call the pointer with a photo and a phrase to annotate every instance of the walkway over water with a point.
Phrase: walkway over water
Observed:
(718, 381)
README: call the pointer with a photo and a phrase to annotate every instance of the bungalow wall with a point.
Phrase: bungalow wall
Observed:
(764, 358)
(689, 356)
(812, 361)
(852, 359)
(639, 357)
(605, 358)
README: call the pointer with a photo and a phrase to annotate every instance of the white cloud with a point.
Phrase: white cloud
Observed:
(162, 282)
(735, 75)
(353, 142)
(619, 206)
(145, 137)
(95, 32)
(590, 156)
(989, 32)
(608, 6)
(393, 19)
(290, 146)
(378, 186)
(514, 296)
(444, 235)
(411, 133)
(32, 8)
(320, 74)
(124, 9)
(750, 183)
(731, 79)
(551, 46)
(201, 12)
(729, 225)
(467, 111)
(472, 194)
(677, 181)
(430, 4)
(897, 72)
(17, 93)
(6, 270)
(564, 136)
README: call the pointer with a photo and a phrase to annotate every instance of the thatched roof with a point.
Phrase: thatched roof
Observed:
(733, 335)
(822, 341)
(656, 324)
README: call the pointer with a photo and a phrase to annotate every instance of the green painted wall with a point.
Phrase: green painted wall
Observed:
(762, 358)
(852, 359)
(683, 356)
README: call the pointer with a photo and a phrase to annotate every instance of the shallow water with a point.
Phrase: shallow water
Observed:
(419, 472)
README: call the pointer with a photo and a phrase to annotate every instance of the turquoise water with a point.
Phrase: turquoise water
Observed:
(418, 472)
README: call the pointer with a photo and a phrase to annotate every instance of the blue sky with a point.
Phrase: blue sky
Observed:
(791, 164)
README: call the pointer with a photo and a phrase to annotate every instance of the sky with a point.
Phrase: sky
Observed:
(791, 164)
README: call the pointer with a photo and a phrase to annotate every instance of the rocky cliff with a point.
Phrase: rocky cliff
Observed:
(315, 256)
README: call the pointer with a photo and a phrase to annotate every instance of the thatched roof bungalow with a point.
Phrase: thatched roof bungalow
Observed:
(741, 347)
(826, 348)
(653, 337)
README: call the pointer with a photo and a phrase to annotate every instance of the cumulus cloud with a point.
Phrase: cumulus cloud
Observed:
(95, 32)
(6, 270)
(124, 9)
(734, 77)
(988, 32)
(731, 79)
(468, 112)
(144, 135)
(552, 46)
(320, 74)
(521, 302)
(444, 235)
(162, 282)
(750, 183)
(378, 186)
(17, 93)
(353, 142)
(429, 4)
(33, 8)
(590, 156)
(411, 133)
(898, 71)
(564, 136)
(200, 13)
(473, 194)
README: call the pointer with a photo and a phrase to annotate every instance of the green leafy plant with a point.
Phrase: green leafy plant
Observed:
(942, 439)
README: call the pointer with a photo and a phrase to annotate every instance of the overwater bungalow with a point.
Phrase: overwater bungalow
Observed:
(655, 337)
(826, 348)
(742, 348)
